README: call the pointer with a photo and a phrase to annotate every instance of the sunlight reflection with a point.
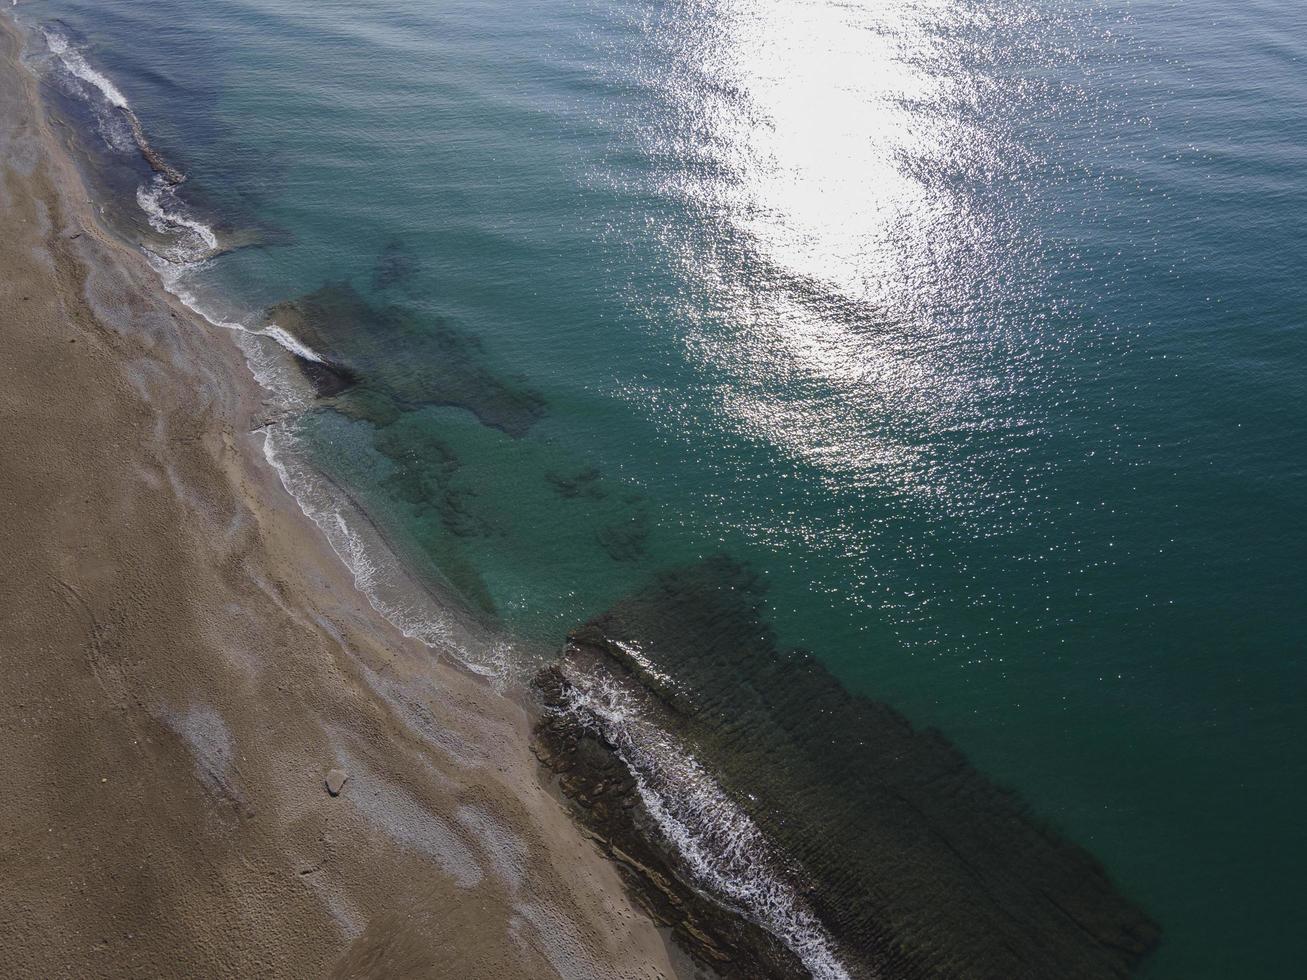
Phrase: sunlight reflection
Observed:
(833, 256)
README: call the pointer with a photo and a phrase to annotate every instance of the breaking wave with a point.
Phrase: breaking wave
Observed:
(722, 848)
(77, 66)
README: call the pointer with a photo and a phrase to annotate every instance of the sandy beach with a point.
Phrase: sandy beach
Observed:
(185, 661)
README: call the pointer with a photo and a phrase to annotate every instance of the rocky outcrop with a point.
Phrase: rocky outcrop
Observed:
(443, 365)
(604, 794)
(915, 863)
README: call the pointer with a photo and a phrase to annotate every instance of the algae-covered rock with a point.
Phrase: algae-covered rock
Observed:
(916, 864)
(441, 365)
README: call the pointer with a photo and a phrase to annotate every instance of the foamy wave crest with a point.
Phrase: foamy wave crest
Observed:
(173, 274)
(720, 845)
(193, 240)
(193, 244)
(76, 66)
(291, 343)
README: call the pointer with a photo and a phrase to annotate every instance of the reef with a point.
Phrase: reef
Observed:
(625, 540)
(914, 863)
(328, 379)
(441, 365)
(425, 468)
(584, 483)
(396, 265)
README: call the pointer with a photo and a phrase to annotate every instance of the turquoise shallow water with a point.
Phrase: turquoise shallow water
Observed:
(976, 327)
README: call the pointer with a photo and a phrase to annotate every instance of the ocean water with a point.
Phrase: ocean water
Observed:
(975, 328)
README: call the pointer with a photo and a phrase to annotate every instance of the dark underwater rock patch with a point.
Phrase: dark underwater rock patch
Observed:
(584, 483)
(625, 540)
(328, 380)
(424, 478)
(404, 361)
(915, 863)
(396, 265)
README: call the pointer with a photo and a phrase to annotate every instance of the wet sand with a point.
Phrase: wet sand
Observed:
(184, 661)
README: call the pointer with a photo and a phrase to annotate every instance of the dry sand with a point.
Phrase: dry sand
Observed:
(183, 660)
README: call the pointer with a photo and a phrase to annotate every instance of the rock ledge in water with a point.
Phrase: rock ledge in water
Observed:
(917, 865)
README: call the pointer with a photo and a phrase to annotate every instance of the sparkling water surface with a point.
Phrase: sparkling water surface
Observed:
(977, 327)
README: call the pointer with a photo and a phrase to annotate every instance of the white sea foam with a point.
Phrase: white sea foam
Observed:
(172, 274)
(192, 245)
(290, 343)
(76, 65)
(194, 241)
(721, 846)
(633, 651)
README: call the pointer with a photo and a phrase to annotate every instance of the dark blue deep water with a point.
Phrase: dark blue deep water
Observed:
(976, 327)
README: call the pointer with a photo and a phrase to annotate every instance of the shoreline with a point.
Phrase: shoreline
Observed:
(665, 825)
(189, 657)
(411, 597)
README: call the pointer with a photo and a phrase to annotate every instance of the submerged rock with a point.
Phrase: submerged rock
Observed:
(625, 540)
(328, 379)
(914, 863)
(585, 483)
(400, 360)
(605, 795)
(396, 265)
(426, 468)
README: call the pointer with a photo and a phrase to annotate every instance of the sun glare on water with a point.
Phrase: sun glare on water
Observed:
(839, 271)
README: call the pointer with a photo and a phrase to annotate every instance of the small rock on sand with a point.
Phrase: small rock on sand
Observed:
(336, 780)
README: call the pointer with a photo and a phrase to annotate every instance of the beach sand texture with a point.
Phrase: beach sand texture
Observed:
(184, 662)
